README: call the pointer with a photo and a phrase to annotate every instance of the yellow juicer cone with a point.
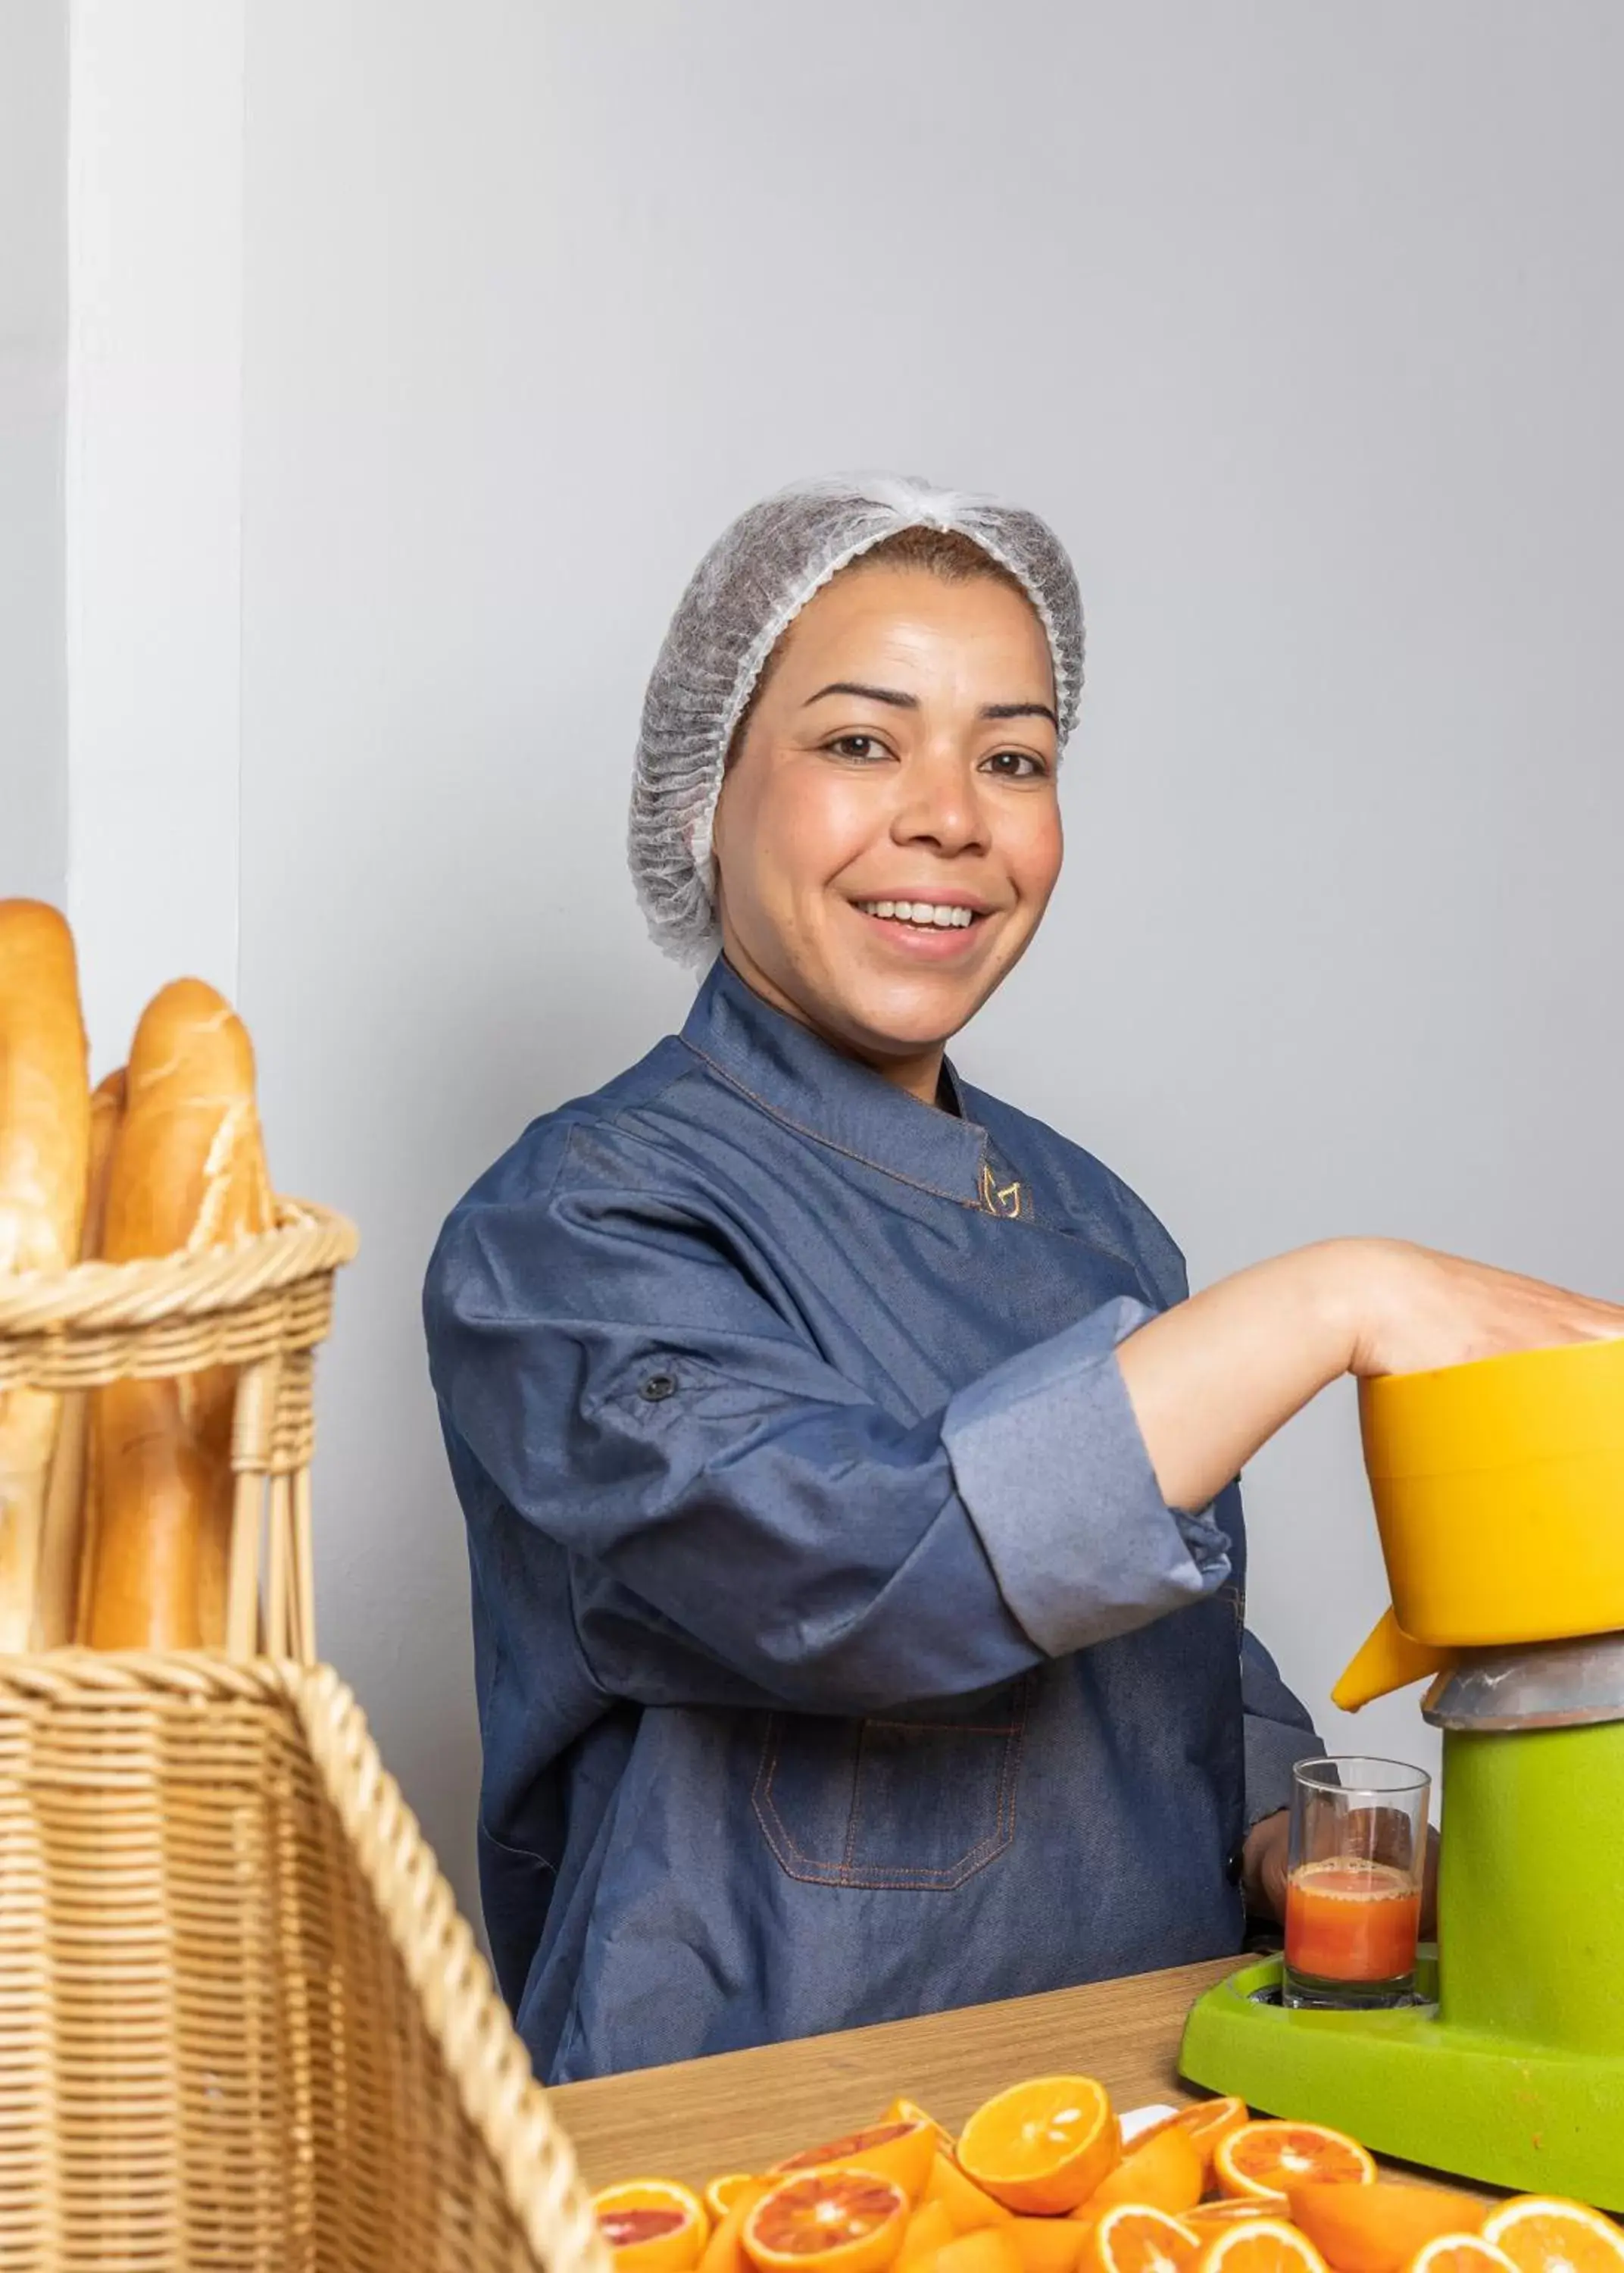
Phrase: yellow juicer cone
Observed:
(1499, 1491)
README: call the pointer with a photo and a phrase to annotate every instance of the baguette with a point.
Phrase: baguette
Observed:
(44, 1145)
(64, 1545)
(188, 1173)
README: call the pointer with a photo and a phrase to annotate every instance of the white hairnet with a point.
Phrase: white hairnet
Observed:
(749, 587)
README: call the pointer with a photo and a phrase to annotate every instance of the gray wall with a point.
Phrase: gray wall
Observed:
(1303, 325)
(34, 315)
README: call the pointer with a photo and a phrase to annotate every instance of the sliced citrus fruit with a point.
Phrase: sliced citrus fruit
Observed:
(900, 2148)
(840, 2221)
(969, 2206)
(1043, 2146)
(1204, 2122)
(1261, 2245)
(724, 2252)
(990, 2249)
(1048, 2244)
(1210, 2218)
(1541, 2233)
(1208, 2121)
(1136, 2238)
(1377, 2229)
(1163, 2173)
(722, 2192)
(1461, 2253)
(653, 2225)
(906, 2111)
(1269, 2158)
(928, 2229)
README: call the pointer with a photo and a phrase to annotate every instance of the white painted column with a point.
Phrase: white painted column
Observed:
(154, 498)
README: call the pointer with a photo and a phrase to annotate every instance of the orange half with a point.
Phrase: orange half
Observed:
(1134, 2237)
(1164, 2173)
(1461, 2253)
(900, 2147)
(837, 2221)
(1210, 2120)
(1204, 2123)
(1044, 2146)
(653, 2225)
(1378, 2229)
(1272, 2158)
(907, 2111)
(1262, 2244)
(1541, 2233)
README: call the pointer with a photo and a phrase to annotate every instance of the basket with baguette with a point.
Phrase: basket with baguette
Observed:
(242, 2023)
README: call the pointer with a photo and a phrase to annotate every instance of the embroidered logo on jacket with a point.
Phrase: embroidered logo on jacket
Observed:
(1000, 1200)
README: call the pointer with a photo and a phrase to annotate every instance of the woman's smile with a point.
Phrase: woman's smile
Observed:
(932, 929)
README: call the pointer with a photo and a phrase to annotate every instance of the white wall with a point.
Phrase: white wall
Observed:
(153, 498)
(1303, 326)
(34, 187)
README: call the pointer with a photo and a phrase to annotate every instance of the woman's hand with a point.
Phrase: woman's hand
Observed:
(1213, 1379)
(1416, 1310)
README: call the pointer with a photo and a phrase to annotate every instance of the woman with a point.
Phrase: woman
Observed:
(858, 1564)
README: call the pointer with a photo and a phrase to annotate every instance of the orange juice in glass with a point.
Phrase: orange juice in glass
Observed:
(1353, 1896)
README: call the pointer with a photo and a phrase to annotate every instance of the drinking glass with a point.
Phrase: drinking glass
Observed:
(1353, 1896)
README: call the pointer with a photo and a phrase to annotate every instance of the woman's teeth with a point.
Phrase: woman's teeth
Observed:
(919, 911)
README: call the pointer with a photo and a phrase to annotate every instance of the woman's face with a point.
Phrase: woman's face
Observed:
(889, 834)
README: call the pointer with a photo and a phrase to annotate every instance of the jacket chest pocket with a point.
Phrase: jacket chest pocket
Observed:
(905, 1801)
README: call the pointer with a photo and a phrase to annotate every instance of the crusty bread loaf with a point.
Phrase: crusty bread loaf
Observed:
(44, 1140)
(63, 1544)
(188, 1172)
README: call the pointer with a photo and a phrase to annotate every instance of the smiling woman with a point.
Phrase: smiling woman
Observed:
(886, 838)
(858, 1562)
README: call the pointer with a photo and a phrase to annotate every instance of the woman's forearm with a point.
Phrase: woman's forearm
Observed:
(1212, 1380)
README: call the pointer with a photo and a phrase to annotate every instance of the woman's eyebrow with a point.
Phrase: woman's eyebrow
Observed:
(1021, 710)
(873, 694)
(911, 702)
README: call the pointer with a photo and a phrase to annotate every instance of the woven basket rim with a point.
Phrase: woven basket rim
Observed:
(489, 2066)
(308, 1242)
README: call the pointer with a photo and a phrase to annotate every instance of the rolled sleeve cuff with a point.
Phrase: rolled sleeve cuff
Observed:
(1049, 1461)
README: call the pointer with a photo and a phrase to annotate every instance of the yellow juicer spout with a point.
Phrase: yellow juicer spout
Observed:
(1498, 1490)
(1389, 1659)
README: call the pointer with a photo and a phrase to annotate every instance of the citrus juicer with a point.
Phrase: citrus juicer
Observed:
(1499, 1491)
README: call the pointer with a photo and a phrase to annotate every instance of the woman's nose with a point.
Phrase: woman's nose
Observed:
(938, 804)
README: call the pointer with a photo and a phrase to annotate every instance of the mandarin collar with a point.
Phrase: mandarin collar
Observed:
(816, 1090)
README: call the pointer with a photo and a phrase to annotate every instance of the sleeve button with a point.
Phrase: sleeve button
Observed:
(658, 1386)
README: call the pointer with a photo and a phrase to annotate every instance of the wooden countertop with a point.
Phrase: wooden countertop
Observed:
(743, 2110)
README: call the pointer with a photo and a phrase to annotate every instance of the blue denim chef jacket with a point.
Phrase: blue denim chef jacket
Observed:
(836, 1655)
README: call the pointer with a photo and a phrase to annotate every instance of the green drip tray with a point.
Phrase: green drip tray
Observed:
(1411, 2085)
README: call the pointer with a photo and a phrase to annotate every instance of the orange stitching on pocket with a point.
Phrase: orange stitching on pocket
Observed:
(900, 1878)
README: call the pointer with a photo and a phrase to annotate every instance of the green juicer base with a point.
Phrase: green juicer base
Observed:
(1426, 2090)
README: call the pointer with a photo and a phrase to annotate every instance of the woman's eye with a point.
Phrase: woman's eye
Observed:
(861, 746)
(1015, 765)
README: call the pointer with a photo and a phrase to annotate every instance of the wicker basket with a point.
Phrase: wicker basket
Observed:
(242, 2023)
